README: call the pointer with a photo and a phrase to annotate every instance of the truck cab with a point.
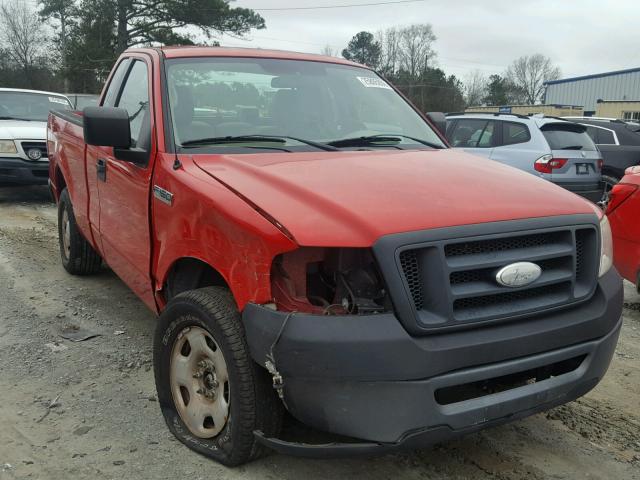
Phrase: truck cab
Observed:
(312, 244)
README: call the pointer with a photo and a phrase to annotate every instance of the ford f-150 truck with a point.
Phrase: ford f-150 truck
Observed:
(312, 244)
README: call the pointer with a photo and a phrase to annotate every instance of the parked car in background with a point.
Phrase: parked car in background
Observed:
(619, 143)
(23, 134)
(548, 147)
(81, 100)
(326, 253)
(623, 211)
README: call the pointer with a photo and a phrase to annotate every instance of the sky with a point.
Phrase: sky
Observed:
(580, 36)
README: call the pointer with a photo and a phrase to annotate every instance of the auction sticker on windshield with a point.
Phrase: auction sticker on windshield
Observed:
(58, 100)
(373, 82)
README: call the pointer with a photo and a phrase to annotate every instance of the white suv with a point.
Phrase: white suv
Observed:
(23, 134)
(549, 147)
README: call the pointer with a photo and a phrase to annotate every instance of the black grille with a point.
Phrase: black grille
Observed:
(469, 276)
(42, 146)
(579, 254)
(465, 308)
(411, 269)
(453, 283)
(500, 245)
(489, 274)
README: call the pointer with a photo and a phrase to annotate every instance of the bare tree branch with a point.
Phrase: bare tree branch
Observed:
(475, 88)
(22, 35)
(529, 74)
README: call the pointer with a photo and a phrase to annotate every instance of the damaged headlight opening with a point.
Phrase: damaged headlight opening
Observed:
(328, 281)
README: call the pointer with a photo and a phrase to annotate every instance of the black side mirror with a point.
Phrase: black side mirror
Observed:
(109, 127)
(106, 127)
(439, 120)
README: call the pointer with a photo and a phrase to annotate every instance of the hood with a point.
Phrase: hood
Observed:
(22, 130)
(351, 199)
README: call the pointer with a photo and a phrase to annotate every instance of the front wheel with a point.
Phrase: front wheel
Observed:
(212, 394)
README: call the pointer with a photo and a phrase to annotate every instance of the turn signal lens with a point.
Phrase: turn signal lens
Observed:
(618, 194)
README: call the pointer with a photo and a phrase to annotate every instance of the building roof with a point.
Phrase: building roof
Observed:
(595, 75)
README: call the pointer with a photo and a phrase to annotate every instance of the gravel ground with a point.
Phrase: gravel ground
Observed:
(88, 409)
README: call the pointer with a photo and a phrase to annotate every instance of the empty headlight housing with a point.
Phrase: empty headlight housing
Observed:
(328, 281)
(8, 146)
(606, 246)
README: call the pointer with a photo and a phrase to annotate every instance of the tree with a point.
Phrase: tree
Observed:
(363, 48)
(328, 51)
(23, 38)
(475, 88)
(500, 91)
(161, 21)
(91, 46)
(529, 74)
(415, 45)
(62, 12)
(389, 41)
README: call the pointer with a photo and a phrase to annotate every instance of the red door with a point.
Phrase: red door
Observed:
(124, 188)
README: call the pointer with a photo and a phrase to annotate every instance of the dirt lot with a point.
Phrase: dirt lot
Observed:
(88, 409)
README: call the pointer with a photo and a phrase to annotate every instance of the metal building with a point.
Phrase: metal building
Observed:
(621, 85)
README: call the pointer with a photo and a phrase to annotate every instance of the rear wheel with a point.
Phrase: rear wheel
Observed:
(212, 394)
(77, 254)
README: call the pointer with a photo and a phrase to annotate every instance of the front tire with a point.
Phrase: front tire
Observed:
(77, 254)
(212, 394)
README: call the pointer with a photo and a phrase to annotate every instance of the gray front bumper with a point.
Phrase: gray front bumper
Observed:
(365, 377)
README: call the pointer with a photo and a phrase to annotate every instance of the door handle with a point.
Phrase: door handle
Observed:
(101, 169)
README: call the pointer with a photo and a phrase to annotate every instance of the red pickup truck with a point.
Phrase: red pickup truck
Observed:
(312, 244)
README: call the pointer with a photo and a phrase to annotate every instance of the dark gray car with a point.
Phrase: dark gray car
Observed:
(619, 143)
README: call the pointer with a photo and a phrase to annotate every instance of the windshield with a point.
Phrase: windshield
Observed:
(213, 98)
(30, 106)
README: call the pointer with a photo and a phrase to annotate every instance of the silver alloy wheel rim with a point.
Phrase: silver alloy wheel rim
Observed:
(66, 234)
(199, 382)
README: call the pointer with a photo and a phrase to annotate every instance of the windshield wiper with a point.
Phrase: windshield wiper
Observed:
(255, 138)
(372, 140)
(572, 147)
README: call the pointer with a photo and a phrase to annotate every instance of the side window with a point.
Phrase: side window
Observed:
(486, 138)
(468, 131)
(135, 99)
(114, 85)
(605, 137)
(513, 133)
(593, 133)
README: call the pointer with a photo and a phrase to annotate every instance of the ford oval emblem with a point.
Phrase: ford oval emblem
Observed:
(518, 274)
